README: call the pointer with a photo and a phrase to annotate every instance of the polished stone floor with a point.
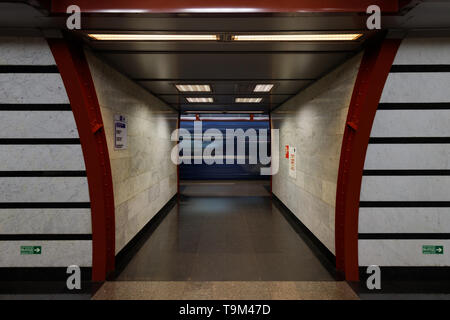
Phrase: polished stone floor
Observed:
(225, 290)
(225, 231)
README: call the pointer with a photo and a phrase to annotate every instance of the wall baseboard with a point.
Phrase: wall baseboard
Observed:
(44, 282)
(325, 256)
(125, 255)
(408, 280)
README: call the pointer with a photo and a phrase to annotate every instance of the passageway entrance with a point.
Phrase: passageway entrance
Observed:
(232, 72)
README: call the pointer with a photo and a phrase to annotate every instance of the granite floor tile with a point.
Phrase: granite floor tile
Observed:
(224, 290)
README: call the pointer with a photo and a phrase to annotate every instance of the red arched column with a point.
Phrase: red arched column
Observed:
(77, 79)
(374, 69)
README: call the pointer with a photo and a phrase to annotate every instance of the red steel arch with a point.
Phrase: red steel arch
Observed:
(80, 89)
(374, 69)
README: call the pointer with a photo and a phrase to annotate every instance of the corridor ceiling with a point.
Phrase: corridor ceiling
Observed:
(231, 68)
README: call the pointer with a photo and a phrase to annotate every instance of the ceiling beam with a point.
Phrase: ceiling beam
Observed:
(224, 6)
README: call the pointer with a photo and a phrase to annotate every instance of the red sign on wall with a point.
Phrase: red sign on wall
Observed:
(286, 151)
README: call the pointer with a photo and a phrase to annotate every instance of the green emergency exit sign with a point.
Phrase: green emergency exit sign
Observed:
(432, 249)
(30, 249)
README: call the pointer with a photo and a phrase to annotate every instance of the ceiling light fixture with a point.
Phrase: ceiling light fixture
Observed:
(215, 111)
(248, 100)
(200, 100)
(193, 87)
(244, 112)
(152, 37)
(298, 37)
(263, 88)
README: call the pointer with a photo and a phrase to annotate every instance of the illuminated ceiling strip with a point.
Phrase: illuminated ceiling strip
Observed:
(298, 37)
(193, 87)
(248, 100)
(199, 100)
(153, 37)
(215, 111)
(263, 87)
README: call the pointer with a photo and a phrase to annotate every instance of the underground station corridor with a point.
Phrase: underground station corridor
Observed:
(219, 150)
(225, 235)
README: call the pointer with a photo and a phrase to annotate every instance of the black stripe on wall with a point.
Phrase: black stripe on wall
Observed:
(42, 173)
(419, 68)
(35, 107)
(410, 140)
(414, 106)
(404, 204)
(40, 280)
(44, 237)
(406, 172)
(418, 280)
(45, 205)
(14, 141)
(28, 69)
(403, 236)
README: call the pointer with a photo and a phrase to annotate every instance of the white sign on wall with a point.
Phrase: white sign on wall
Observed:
(120, 132)
(292, 162)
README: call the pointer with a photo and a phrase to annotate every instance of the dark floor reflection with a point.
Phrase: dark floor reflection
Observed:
(223, 237)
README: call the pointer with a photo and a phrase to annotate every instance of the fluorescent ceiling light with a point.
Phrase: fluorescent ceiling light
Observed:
(245, 112)
(298, 37)
(152, 37)
(193, 87)
(205, 111)
(248, 100)
(200, 100)
(263, 87)
(215, 111)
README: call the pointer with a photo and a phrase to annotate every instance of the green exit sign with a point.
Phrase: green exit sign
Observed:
(432, 249)
(30, 249)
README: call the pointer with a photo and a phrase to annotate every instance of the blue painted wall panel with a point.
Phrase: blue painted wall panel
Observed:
(224, 171)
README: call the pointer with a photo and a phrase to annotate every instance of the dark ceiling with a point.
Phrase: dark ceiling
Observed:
(231, 68)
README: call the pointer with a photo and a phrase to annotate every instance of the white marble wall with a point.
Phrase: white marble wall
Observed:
(412, 123)
(417, 87)
(39, 88)
(424, 88)
(41, 157)
(430, 50)
(45, 221)
(55, 253)
(402, 253)
(25, 51)
(314, 122)
(418, 156)
(42, 124)
(144, 178)
(44, 189)
(405, 188)
(404, 220)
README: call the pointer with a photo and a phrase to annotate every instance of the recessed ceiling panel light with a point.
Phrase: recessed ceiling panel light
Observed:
(298, 37)
(193, 87)
(204, 111)
(245, 112)
(248, 100)
(199, 100)
(152, 37)
(263, 87)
